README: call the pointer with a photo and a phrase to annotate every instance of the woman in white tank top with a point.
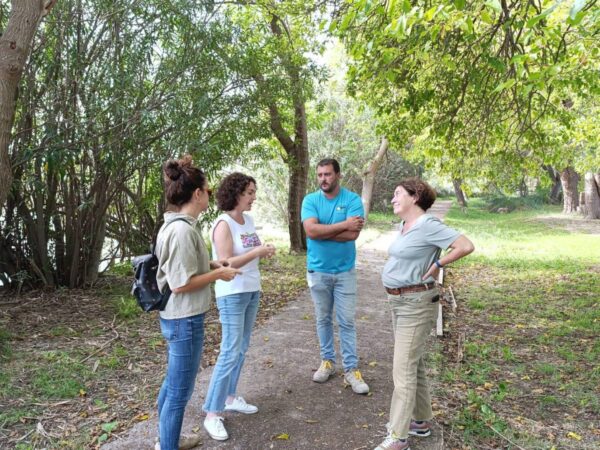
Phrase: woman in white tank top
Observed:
(234, 239)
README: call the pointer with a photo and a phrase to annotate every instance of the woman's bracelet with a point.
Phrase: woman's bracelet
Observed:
(438, 264)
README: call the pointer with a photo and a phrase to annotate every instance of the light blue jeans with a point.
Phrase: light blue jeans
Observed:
(237, 313)
(329, 290)
(184, 350)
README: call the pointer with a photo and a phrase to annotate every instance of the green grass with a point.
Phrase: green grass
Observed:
(518, 241)
(5, 349)
(14, 416)
(529, 299)
(61, 377)
(127, 308)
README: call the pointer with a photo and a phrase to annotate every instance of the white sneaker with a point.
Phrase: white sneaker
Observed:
(355, 379)
(240, 405)
(324, 371)
(216, 429)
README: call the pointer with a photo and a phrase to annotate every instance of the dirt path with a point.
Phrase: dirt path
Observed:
(277, 378)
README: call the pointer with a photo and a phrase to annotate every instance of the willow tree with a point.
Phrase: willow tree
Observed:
(15, 45)
(116, 89)
(471, 82)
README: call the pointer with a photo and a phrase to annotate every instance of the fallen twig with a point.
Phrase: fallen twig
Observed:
(460, 345)
(24, 436)
(106, 344)
(504, 437)
(452, 299)
(64, 402)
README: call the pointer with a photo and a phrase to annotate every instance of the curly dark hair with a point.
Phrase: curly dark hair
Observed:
(421, 190)
(181, 180)
(230, 189)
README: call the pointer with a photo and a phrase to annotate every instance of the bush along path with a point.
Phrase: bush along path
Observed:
(295, 412)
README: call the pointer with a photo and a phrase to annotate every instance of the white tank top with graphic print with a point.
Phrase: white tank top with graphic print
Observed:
(244, 239)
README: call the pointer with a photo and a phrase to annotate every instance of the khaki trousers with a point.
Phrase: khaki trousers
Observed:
(413, 316)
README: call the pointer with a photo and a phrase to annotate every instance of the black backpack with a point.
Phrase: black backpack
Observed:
(145, 287)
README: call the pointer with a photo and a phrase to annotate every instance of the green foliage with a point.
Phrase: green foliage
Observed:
(481, 92)
(121, 269)
(502, 203)
(104, 101)
(127, 308)
(14, 416)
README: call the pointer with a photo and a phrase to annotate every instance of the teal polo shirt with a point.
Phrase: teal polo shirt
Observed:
(324, 255)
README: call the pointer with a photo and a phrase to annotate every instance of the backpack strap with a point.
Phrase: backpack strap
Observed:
(153, 248)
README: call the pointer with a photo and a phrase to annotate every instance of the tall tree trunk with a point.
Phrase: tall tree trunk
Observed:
(296, 148)
(369, 176)
(569, 179)
(298, 174)
(592, 195)
(15, 45)
(460, 195)
(556, 185)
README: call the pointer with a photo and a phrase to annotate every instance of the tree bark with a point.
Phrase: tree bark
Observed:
(296, 148)
(15, 46)
(369, 176)
(569, 179)
(554, 196)
(592, 195)
(460, 195)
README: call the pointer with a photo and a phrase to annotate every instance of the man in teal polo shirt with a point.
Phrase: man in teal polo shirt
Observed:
(333, 218)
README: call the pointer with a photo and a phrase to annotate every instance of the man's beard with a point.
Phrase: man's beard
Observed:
(329, 189)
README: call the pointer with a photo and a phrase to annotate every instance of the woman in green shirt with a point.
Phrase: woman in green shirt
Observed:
(185, 266)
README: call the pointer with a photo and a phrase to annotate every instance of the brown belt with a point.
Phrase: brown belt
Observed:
(410, 289)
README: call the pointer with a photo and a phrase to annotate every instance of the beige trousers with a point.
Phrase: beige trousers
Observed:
(413, 316)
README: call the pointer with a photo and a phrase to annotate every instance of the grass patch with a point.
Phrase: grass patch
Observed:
(381, 221)
(5, 349)
(126, 308)
(528, 308)
(62, 377)
(14, 416)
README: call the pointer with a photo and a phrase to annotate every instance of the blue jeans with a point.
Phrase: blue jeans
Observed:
(184, 351)
(237, 313)
(329, 290)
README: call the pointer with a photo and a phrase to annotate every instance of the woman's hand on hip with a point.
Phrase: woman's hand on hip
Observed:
(432, 272)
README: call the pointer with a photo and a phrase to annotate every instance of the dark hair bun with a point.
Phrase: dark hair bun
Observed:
(172, 170)
(181, 180)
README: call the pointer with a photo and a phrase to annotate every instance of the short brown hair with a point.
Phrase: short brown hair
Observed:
(231, 188)
(330, 162)
(418, 188)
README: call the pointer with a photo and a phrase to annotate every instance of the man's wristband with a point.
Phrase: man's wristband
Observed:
(438, 264)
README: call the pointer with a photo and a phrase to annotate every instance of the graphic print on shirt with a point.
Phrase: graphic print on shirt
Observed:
(250, 240)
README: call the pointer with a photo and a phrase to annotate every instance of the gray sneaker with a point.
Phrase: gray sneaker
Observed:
(354, 378)
(324, 372)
